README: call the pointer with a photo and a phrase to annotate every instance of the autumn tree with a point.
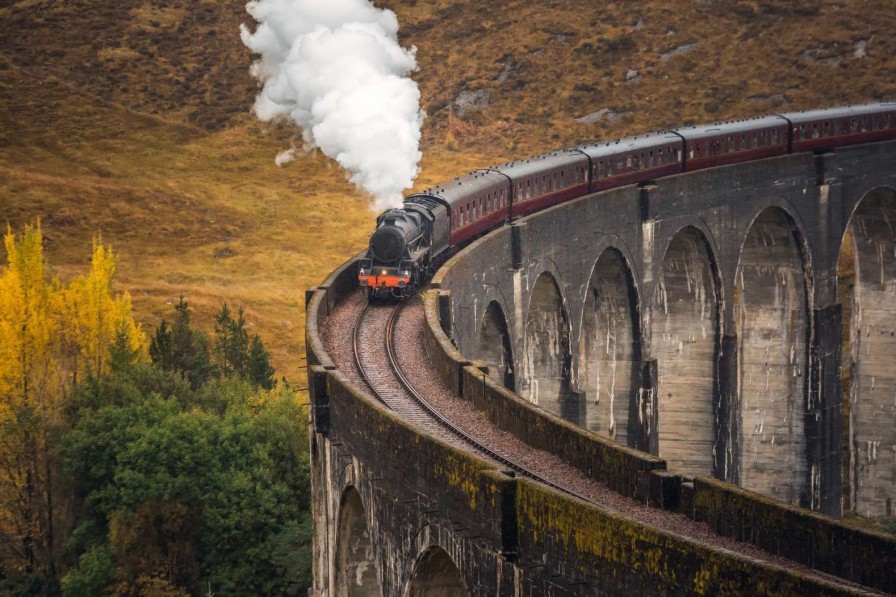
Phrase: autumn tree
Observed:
(52, 336)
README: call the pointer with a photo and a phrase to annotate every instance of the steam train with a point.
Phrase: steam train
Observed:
(410, 243)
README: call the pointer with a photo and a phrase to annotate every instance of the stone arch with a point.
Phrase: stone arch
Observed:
(436, 575)
(685, 342)
(547, 355)
(772, 321)
(866, 288)
(609, 349)
(356, 573)
(495, 347)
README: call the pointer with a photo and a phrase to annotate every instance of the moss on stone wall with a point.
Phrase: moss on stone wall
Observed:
(618, 555)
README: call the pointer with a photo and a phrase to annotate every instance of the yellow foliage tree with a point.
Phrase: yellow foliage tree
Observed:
(51, 337)
(90, 317)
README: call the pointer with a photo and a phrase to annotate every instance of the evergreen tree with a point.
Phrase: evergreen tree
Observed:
(122, 354)
(223, 321)
(232, 344)
(260, 371)
(183, 349)
(160, 350)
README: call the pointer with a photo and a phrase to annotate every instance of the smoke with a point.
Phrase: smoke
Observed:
(334, 67)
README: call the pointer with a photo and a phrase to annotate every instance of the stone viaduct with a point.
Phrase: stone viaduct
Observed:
(720, 343)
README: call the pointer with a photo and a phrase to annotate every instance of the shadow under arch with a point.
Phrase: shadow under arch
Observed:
(685, 340)
(866, 289)
(610, 349)
(546, 362)
(495, 347)
(772, 321)
(436, 575)
(356, 572)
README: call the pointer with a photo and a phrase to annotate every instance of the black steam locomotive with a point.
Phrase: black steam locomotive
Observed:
(410, 243)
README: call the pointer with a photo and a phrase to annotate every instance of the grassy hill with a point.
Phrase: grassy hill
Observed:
(131, 120)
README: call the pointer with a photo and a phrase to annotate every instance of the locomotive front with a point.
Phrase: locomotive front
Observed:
(391, 266)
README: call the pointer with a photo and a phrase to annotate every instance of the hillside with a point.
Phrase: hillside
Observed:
(132, 120)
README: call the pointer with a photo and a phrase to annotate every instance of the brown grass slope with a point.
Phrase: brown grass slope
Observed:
(131, 119)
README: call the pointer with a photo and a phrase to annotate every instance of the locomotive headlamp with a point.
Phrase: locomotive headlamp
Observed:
(384, 272)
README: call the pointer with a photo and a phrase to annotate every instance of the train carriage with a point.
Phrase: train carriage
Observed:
(817, 130)
(633, 159)
(545, 180)
(723, 143)
(476, 202)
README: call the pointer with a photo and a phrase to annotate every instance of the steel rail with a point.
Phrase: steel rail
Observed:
(466, 438)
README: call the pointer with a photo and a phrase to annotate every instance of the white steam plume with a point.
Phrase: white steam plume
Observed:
(335, 68)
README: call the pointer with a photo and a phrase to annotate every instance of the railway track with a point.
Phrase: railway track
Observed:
(384, 377)
(369, 348)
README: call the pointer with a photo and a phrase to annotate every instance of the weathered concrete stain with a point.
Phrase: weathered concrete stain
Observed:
(872, 391)
(607, 371)
(684, 339)
(770, 306)
(495, 347)
(545, 379)
(436, 575)
(355, 570)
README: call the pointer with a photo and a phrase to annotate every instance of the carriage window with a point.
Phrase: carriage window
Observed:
(562, 178)
(827, 128)
(528, 189)
(854, 126)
